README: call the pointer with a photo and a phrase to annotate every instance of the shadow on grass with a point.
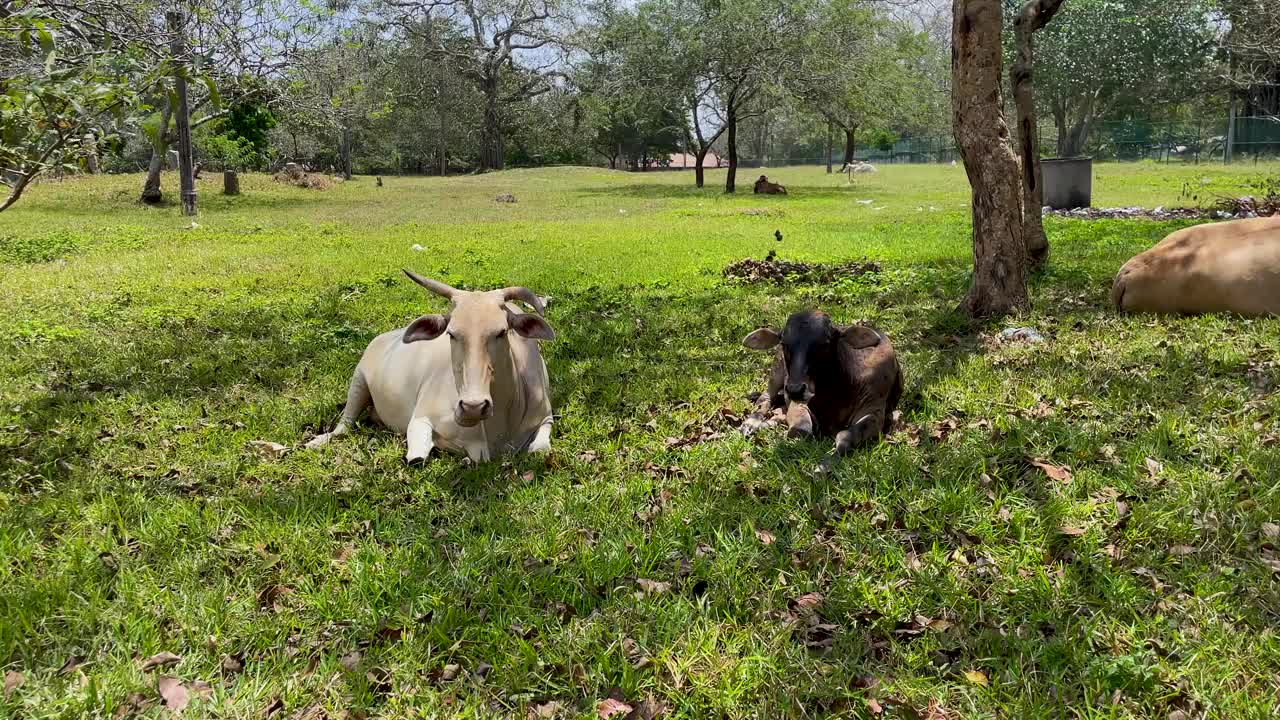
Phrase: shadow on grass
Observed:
(624, 357)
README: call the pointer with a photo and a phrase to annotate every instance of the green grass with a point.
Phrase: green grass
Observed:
(141, 357)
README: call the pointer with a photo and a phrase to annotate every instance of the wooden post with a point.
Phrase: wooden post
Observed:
(179, 49)
(230, 182)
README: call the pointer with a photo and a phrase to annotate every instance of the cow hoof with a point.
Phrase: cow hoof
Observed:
(540, 448)
(319, 441)
(796, 432)
(415, 461)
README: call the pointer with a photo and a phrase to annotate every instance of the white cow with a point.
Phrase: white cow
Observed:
(857, 167)
(470, 381)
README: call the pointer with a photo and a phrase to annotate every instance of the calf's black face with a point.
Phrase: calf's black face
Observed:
(808, 341)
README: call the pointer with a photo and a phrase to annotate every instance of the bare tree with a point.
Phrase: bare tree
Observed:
(498, 32)
(982, 136)
(1035, 14)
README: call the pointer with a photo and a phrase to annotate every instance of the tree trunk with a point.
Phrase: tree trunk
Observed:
(829, 143)
(731, 128)
(977, 108)
(182, 119)
(699, 175)
(1071, 142)
(443, 144)
(230, 182)
(1034, 16)
(849, 143)
(151, 192)
(344, 152)
(491, 151)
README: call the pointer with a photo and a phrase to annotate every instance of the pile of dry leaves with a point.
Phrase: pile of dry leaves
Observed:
(773, 270)
(1228, 208)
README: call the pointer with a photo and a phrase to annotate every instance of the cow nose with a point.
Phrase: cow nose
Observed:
(795, 391)
(472, 408)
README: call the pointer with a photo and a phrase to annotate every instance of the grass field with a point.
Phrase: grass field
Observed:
(939, 575)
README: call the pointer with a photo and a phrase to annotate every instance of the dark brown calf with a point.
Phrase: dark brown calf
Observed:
(764, 187)
(841, 381)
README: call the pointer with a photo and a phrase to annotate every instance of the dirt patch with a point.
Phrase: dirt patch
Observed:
(773, 270)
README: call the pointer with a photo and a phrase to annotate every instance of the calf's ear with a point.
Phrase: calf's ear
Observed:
(427, 327)
(529, 325)
(762, 339)
(861, 336)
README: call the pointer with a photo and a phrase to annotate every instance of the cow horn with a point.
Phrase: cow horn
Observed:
(526, 295)
(434, 286)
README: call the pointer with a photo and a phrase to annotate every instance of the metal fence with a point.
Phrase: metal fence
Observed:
(1193, 141)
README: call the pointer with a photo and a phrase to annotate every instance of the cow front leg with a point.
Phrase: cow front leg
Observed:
(759, 419)
(541, 442)
(419, 439)
(358, 398)
(862, 431)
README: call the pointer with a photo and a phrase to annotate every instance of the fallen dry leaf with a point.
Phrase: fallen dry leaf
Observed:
(1181, 550)
(12, 681)
(545, 711)
(1070, 531)
(135, 703)
(271, 596)
(609, 707)
(274, 706)
(807, 602)
(160, 660)
(350, 662)
(587, 456)
(266, 448)
(201, 688)
(232, 664)
(1271, 531)
(648, 709)
(765, 537)
(1054, 472)
(873, 706)
(174, 693)
(1154, 468)
(977, 677)
(652, 587)
(450, 672)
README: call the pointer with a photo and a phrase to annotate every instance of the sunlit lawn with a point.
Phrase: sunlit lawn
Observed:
(942, 572)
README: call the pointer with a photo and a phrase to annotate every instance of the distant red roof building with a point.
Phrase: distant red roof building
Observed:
(678, 161)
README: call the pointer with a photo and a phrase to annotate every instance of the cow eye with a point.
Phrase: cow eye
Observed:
(451, 334)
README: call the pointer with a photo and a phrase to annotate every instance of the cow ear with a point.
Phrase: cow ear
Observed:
(861, 336)
(762, 339)
(427, 327)
(529, 325)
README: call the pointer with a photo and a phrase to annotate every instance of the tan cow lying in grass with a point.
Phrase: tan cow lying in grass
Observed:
(472, 381)
(1231, 266)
